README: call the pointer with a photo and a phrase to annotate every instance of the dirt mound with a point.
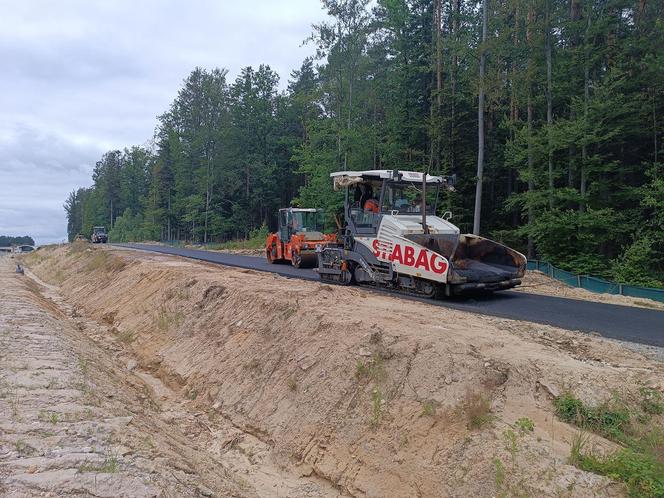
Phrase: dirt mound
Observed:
(380, 396)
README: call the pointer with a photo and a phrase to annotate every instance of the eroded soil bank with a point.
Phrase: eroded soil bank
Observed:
(78, 418)
(372, 394)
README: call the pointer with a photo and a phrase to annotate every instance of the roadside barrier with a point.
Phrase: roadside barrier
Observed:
(595, 284)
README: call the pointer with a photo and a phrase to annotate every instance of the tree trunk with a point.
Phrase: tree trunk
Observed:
(531, 181)
(549, 100)
(439, 80)
(654, 124)
(453, 80)
(584, 147)
(575, 11)
(207, 199)
(514, 113)
(350, 110)
(480, 123)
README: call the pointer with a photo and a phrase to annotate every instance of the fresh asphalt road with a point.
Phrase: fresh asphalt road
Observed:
(626, 323)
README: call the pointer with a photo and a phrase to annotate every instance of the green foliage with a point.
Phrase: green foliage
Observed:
(499, 471)
(372, 370)
(643, 473)
(652, 401)
(256, 240)
(377, 402)
(572, 239)
(132, 228)
(428, 408)
(388, 89)
(610, 421)
(6, 241)
(637, 264)
(525, 424)
(639, 463)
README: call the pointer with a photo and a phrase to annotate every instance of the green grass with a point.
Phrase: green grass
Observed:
(640, 462)
(166, 319)
(126, 336)
(256, 240)
(48, 416)
(608, 420)
(110, 465)
(374, 369)
(525, 424)
(651, 401)
(428, 408)
(643, 473)
(511, 445)
(376, 407)
(104, 261)
(500, 472)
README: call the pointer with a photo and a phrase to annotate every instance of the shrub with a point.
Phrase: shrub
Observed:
(525, 424)
(609, 421)
(640, 464)
(642, 473)
(651, 401)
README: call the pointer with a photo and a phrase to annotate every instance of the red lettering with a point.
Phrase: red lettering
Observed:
(409, 256)
(375, 245)
(438, 264)
(422, 260)
(396, 254)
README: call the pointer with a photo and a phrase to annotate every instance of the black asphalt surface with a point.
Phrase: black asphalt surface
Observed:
(626, 323)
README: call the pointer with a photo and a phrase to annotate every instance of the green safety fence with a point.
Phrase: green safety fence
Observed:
(595, 284)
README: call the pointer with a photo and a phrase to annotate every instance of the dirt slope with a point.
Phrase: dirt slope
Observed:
(72, 420)
(379, 396)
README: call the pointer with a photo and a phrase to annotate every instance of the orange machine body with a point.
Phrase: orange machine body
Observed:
(299, 234)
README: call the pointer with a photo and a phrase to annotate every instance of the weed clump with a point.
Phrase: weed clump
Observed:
(651, 401)
(525, 424)
(428, 408)
(477, 408)
(609, 421)
(373, 369)
(643, 473)
(377, 402)
(640, 463)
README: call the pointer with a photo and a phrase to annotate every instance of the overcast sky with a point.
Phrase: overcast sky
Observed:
(78, 78)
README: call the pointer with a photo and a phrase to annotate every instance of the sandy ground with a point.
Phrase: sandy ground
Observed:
(314, 389)
(79, 417)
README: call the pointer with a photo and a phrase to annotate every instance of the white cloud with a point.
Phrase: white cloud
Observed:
(81, 77)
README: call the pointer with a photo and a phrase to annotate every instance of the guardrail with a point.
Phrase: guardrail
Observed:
(595, 284)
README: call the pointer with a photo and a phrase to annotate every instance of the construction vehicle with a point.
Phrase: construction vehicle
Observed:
(99, 235)
(300, 232)
(393, 239)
